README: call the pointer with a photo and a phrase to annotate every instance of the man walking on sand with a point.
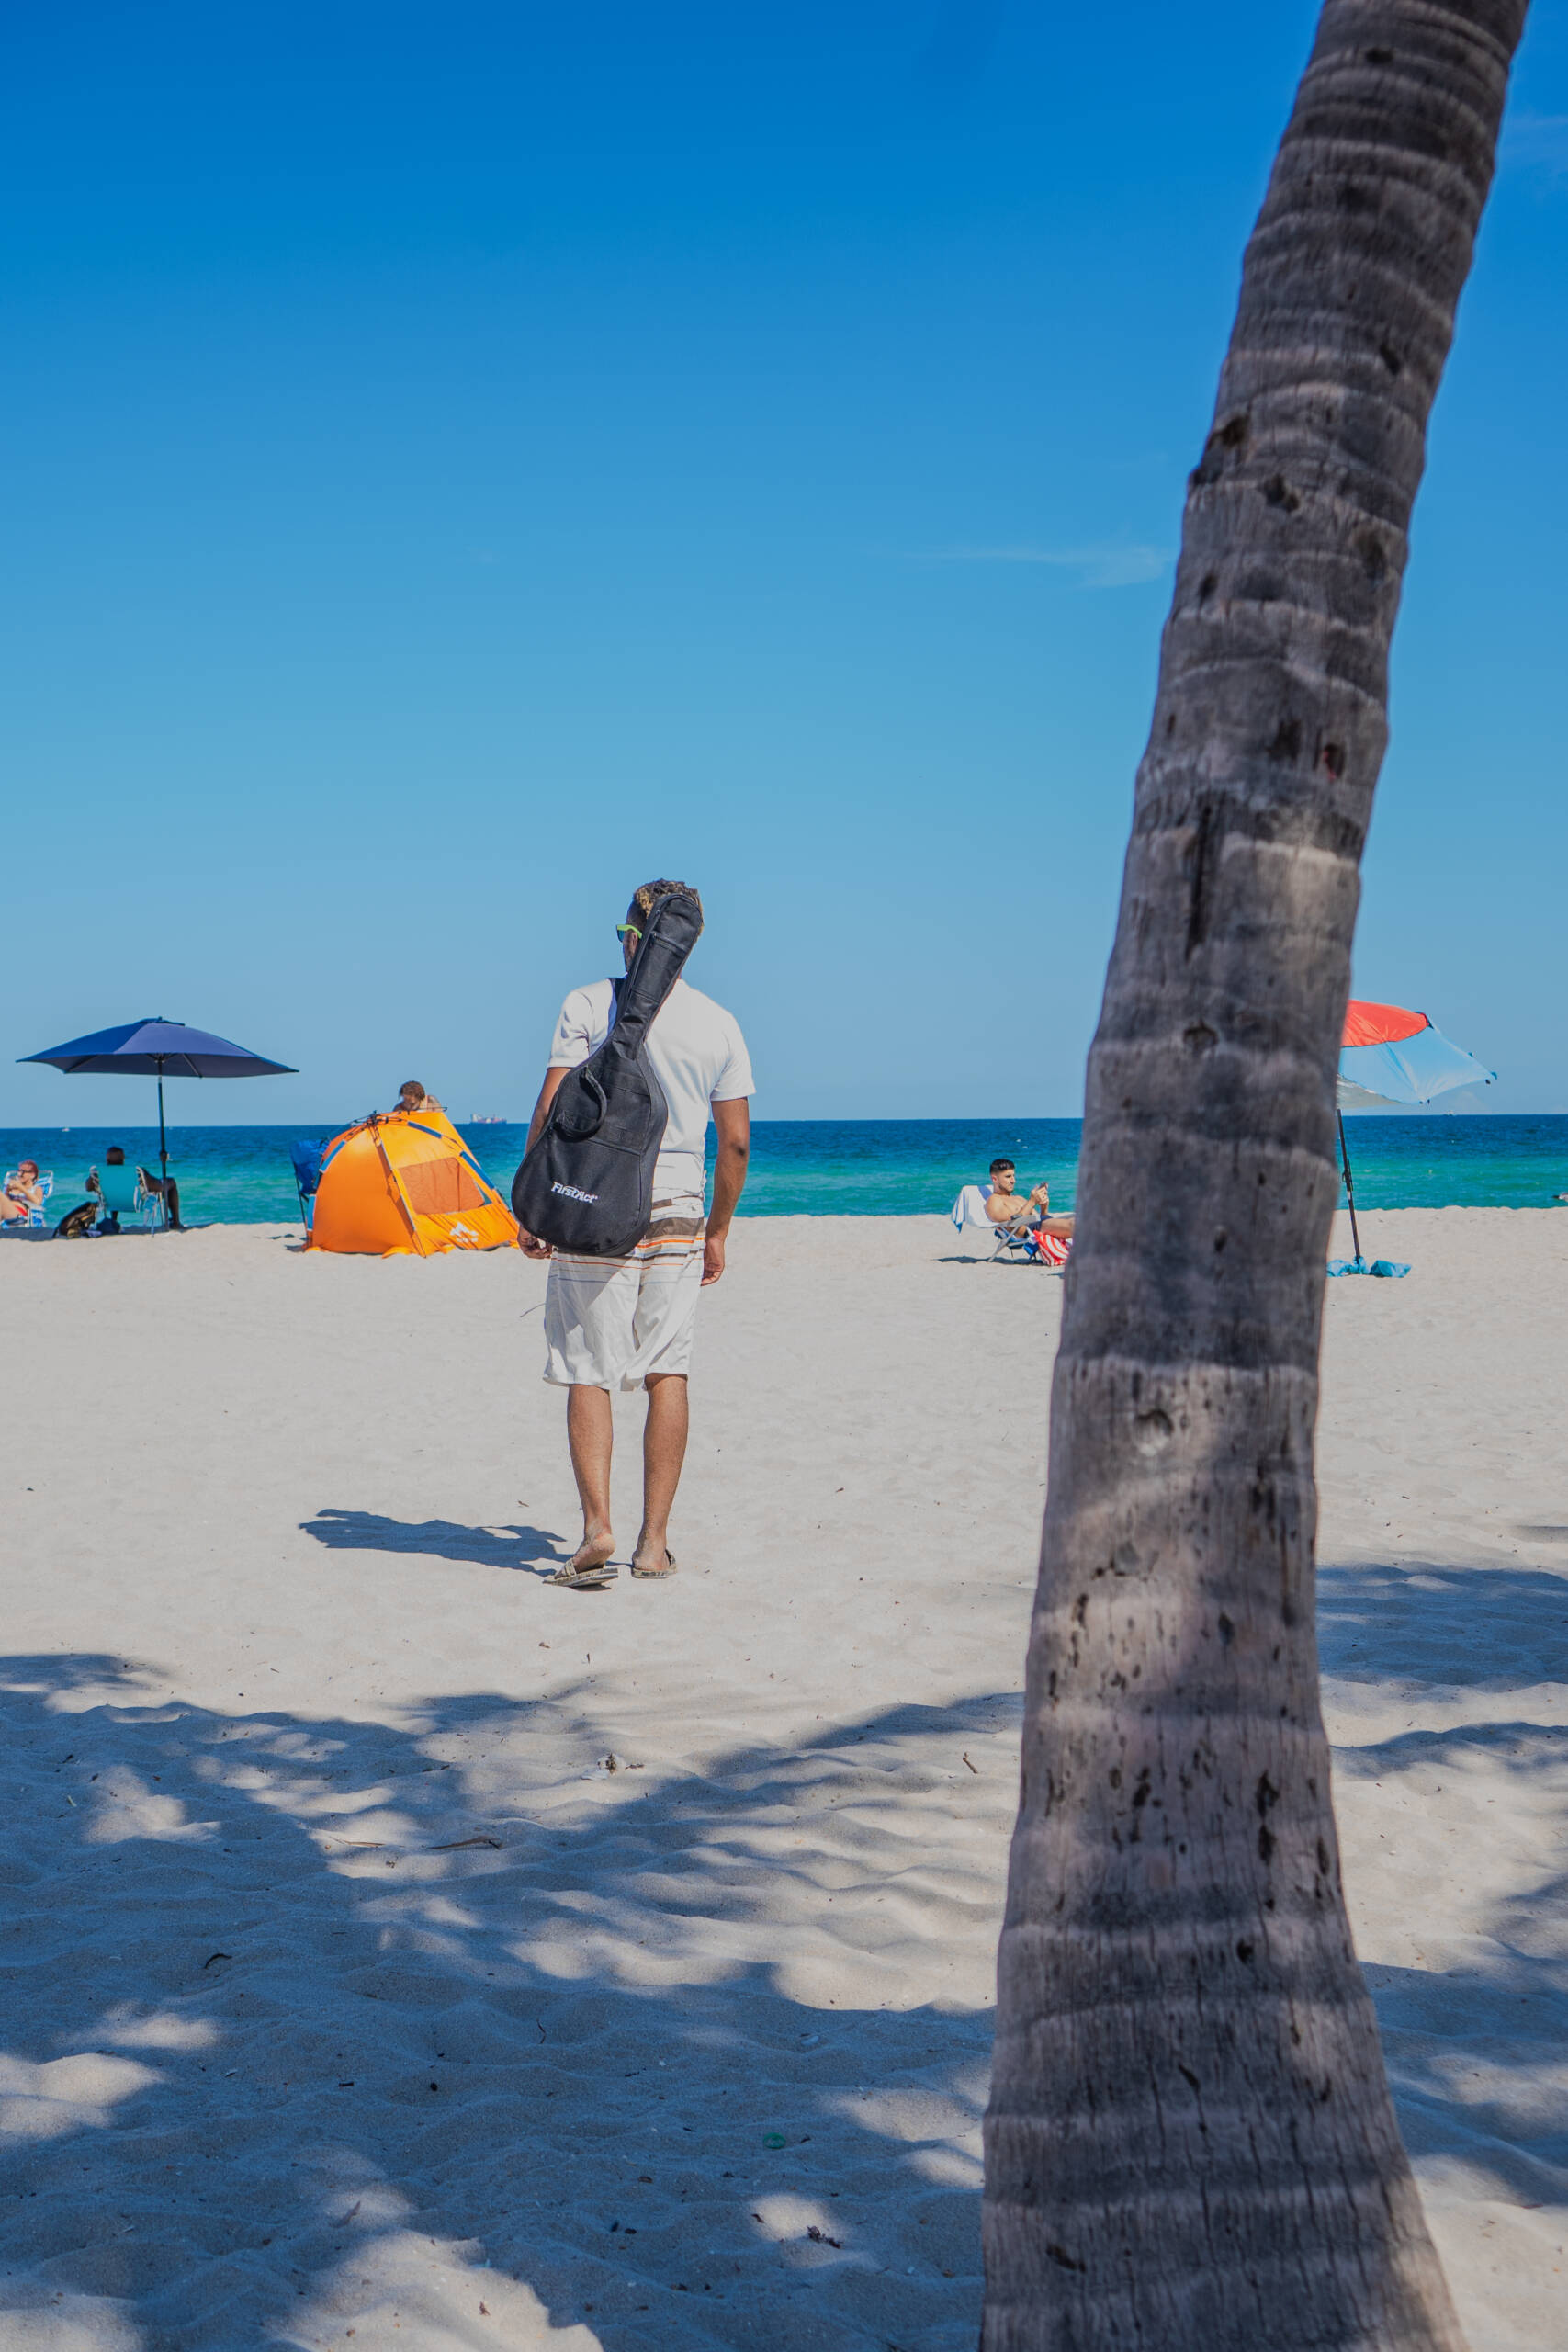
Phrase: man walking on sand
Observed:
(626, 1322)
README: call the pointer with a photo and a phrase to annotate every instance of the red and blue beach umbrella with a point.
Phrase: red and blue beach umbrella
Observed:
(1390, 1054)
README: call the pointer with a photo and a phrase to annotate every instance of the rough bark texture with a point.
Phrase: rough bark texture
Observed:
(1190, 2144)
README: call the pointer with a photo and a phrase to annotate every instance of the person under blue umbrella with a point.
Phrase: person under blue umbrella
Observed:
(159, 1048)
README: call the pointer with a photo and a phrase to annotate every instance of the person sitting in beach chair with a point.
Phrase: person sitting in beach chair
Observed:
(1022, 1223)
(1027, 1214)
(23, 1194)
(133, 1192)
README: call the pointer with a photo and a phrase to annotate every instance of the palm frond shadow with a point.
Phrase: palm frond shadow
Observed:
(269, 1929)
(1430, 1622)
(330, 2032)
(1473, 2048)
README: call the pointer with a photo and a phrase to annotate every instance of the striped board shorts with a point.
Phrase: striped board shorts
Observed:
(609, 1322)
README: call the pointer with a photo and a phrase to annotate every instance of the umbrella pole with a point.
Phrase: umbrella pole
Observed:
(1350, 1187)
(163, 1141)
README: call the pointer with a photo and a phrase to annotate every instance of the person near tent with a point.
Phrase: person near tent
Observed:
(626, 1323)
(412, 1099)
(392, 1186)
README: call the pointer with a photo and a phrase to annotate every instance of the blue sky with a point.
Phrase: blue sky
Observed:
(462, 461)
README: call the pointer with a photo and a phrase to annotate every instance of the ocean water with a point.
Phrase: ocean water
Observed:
(849, 1167)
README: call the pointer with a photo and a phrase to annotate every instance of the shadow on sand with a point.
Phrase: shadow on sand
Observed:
(345, 2063)
(1480, 1629)
(1474, 2051)
(447, 1539)
(319, 2024)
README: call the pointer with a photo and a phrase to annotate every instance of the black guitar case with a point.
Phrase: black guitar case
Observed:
(586, 1185)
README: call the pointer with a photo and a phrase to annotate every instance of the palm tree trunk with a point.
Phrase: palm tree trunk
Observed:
(1191, 2146)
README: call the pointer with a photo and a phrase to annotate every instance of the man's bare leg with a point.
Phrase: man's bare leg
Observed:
(663, 1452)
(590, 1431)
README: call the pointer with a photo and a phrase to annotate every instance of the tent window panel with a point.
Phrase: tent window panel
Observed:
(438, 1187)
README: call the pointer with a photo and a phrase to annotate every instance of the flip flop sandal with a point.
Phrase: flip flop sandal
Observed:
(585, 1579)
(656, 1575)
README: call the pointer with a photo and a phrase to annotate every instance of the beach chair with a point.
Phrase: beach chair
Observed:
(307, 1159)
(36, 1217)
(970, 1209)
(126, 1192)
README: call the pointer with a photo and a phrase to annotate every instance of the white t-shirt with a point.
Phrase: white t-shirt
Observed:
(698, 1055)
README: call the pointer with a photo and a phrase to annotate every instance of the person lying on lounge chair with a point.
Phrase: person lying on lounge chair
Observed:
(1023, 1212)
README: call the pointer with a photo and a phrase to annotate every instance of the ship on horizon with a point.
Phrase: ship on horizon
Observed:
(487, 1119)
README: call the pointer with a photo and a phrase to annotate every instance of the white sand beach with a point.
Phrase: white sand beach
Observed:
(349, 1996)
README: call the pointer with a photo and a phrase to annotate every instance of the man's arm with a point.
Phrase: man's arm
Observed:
(548, 1093)
(732, 1122)
(532, 1245)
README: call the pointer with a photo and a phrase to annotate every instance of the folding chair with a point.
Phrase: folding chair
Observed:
(125, 1192)
(970, 1209)
(307, 1159)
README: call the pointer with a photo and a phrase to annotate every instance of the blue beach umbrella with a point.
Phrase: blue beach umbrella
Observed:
(156, 1049)
(1389, 1053)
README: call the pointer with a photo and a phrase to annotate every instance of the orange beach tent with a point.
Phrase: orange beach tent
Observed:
(404, 1187)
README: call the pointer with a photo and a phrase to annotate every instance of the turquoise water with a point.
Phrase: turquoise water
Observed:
(844, 1168)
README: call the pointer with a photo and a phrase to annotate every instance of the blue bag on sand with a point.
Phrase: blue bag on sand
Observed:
(1384, 1266)
(1387, 1267)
